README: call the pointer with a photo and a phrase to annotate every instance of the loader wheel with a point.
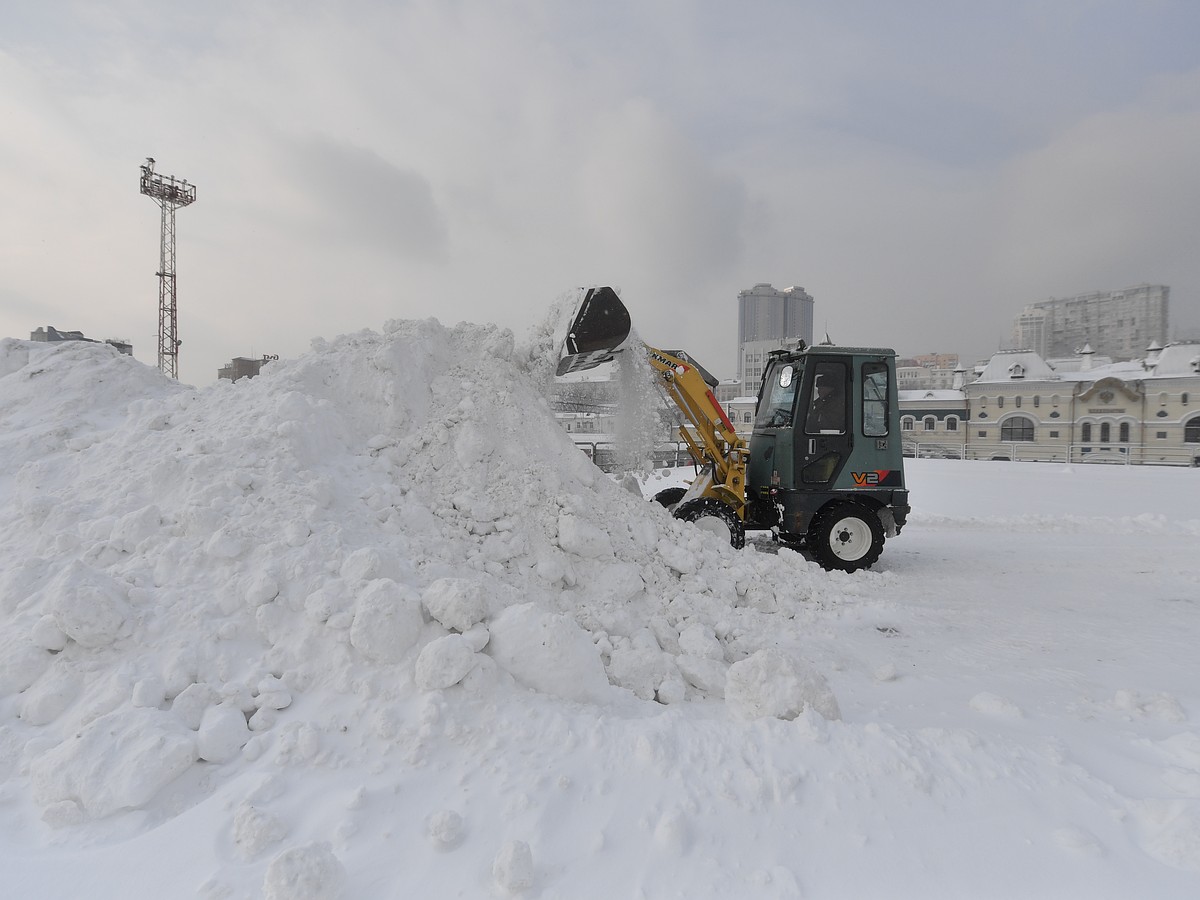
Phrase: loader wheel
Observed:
(714, 516)
(670, 497)
(846, 537)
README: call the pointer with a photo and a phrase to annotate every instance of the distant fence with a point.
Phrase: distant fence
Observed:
(606, 454)
(1120, 454)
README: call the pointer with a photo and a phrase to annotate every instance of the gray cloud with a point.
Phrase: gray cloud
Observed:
(361, 198)
(924, 170)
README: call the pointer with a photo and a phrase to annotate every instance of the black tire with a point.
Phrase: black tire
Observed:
(846, 537)
(670, 497)
(713, 515)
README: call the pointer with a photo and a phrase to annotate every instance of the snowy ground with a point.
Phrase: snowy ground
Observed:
(368, 626)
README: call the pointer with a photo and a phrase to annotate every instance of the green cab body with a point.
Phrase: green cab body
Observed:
(826, 441)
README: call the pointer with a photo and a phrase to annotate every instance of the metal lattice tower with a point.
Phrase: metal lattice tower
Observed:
(170, 195)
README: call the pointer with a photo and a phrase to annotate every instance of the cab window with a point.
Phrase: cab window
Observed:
(875, 399)
(778, 397)
(827, 405)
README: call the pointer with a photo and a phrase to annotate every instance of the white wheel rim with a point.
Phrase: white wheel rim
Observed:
(714, 525)
(850, 539)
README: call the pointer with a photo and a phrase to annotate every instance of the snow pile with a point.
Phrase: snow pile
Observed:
(392, 509)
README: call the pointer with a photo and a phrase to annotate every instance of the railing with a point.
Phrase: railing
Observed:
(606, 454)
(1125, 454)
(935, 449)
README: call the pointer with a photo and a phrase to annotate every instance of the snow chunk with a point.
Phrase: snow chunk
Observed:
(191, 703)
(642, 671)
(701, 672)
(549, 653)
(120, 761)
(513, 867)
(993, 705)
(457, 603)
(387, 621)
(445, 829)
(21, 664)
(582, 538)
(774, 683)
(444, 662)
(223, 732)
(254, 831)
(47, 635)
(50, 695)
(88, 606)
(309, 872)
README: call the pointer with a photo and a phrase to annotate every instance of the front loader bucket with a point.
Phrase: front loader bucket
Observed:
(597, 333)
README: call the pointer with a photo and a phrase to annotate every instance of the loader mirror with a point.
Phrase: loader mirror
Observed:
(785, 376)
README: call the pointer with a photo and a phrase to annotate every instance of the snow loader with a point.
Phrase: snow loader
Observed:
(823, 469)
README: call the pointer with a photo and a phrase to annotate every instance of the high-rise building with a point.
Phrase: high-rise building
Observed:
(1119, 324)
(770, 316)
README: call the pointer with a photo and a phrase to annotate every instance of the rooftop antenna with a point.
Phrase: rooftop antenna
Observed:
(169, 194)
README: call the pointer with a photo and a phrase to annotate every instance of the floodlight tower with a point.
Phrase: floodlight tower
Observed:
(169, 194)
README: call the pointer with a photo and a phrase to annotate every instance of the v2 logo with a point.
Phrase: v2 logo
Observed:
(866, 479)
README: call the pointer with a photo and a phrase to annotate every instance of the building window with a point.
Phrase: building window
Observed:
(1017, 401)
(1037, 401)
(1054, 434)
(1105, 432)
(907, 423)
(1161, 435)
(983, 434)
(929, 423)
(1000, 402)
(983, 402)
(951, 423)
(1085, 433)
(1191, 431)
(1018, 428)
(1123, 432)
(1183, 398)
(1054, 400)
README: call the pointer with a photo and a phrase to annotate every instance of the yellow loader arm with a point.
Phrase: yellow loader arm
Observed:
(600, 329)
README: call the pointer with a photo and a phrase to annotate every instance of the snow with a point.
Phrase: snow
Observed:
(368, 625)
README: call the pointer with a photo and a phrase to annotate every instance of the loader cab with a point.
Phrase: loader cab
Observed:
(826, 443)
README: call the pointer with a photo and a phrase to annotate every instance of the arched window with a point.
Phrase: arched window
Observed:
(1017, 401)
(907, 423)
(952, 423)
(1123, 433)
(1191, 431)
(1183, 398)
(1085, 433)
(746, 417)
(1105, 432)
(929, 423)
(1017, 428)
(1037, 401)
(1000, 402)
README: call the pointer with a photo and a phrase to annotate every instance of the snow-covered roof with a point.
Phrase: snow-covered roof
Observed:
(1178, 359)
(1017, 365)
(946, 395)
(1173, 361)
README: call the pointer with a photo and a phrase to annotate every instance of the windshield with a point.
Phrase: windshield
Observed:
(778, 396)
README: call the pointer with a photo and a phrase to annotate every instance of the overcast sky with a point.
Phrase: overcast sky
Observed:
(924, 169)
